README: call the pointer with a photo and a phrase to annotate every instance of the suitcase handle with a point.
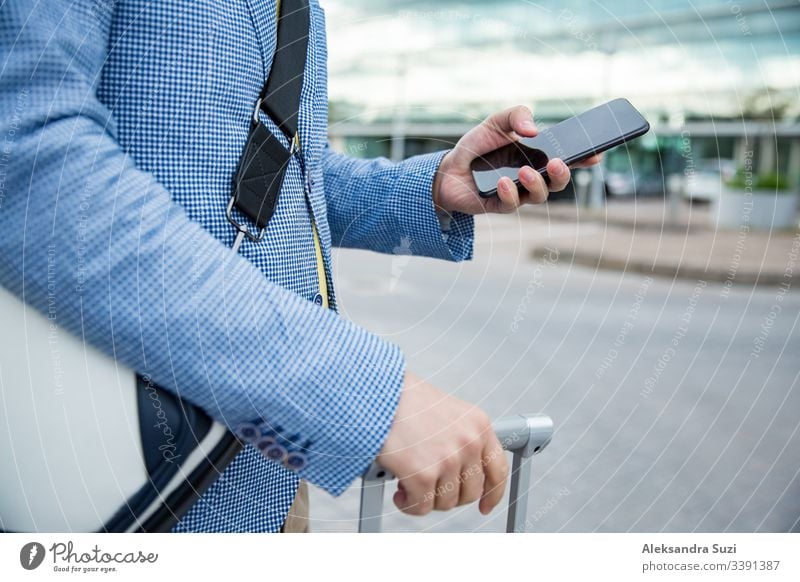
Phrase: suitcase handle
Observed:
(524, 435)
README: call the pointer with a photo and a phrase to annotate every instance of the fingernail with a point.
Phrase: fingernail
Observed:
(529, 125)
(559, 170)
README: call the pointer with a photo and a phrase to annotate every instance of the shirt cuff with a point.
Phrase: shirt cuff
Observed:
(440, 235)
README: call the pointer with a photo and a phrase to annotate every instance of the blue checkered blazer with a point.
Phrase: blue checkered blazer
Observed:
(122, 125)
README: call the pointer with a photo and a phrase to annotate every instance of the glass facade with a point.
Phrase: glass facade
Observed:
(713, 72)
(696, 57)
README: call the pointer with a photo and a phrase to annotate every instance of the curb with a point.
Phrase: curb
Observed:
(671, 271)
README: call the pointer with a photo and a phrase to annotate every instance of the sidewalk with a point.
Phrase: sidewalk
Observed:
(640, 236)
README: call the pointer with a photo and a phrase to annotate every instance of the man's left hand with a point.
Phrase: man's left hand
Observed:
(454, 189)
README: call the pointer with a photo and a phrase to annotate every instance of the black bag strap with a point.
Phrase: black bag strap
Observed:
(280, 97)
(263, 164)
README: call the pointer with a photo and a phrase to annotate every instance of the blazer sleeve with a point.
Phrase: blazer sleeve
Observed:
(388, 207)
(99, 246)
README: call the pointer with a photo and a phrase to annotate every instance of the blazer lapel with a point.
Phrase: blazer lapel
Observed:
(263, 14)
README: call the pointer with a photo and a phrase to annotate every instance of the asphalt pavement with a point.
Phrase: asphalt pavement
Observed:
(675, 398)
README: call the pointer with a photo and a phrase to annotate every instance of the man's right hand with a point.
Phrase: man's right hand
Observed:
(443, 451)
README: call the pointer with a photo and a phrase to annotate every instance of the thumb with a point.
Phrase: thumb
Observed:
(495, 131)
(400, 497)
(517, 119)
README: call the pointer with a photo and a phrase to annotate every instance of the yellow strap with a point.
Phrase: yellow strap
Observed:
(323, 278)
(321, 275)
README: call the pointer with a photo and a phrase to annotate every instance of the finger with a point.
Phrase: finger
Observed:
(471, 483)
(415, 495)
(588, 162)
(534, 183)
(496, 474)
(447, 492)
(507, 195)
(559, 175)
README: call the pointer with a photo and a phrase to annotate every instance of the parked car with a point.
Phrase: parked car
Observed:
(630, 173)
(705, 182)
(633, 182)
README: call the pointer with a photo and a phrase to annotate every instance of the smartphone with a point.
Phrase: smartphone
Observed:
(572, 140)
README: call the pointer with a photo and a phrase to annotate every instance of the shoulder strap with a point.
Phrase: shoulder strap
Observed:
(262, 167)
(280, 97)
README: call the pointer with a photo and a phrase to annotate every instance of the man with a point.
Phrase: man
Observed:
(130, 118)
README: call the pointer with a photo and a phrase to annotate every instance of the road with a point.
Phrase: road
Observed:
(676, 403)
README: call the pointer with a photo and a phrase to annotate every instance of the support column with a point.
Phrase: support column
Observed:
(793, 167)
(766, 155)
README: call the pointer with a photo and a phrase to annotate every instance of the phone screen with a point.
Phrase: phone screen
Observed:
(572, 140)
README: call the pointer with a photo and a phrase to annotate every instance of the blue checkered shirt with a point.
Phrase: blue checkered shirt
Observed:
(122, 125)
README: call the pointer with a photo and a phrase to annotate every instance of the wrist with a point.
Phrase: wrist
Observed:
(439, 180)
